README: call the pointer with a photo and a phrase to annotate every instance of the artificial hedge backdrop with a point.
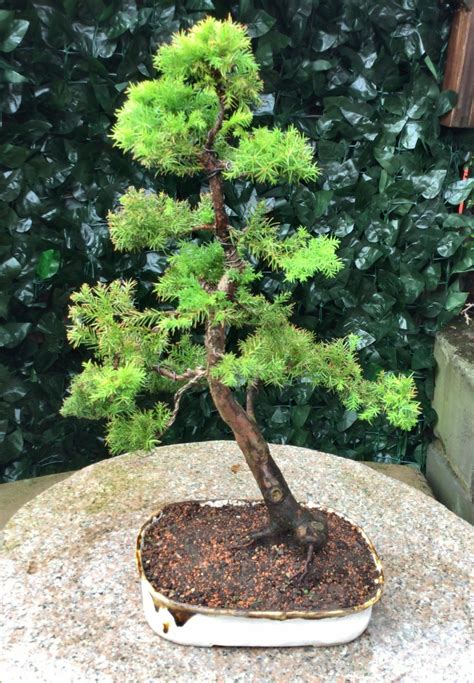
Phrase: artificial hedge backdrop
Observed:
(360, 77)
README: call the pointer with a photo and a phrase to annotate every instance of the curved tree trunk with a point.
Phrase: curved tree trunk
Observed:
(284, 511)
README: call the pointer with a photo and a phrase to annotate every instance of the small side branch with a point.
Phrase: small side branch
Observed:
(252, 390)
(180, 377)
(211, 136)
(466, 313)
(179, 395)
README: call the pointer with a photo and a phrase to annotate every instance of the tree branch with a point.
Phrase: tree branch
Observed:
(212, 134)
(179, 395)
(180, 377)
(252, 390)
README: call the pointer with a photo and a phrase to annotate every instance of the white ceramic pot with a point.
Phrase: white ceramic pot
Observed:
(203, 626)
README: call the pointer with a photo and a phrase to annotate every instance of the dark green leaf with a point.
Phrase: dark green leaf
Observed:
(280, 416)
(12, 446)
(12, 334)
(13, 34)
(261, 23)
(10, 268)
(447, 100)
(321, 65)
(431, 67)
(411, 134)
(125, 20)
(367, 256)
(457, 220)
(299, 415)
(323, 41)
(364, 338)
(322, 201)
(13, 156)
(429, 184)
(363, 88)
(459, 191)
(387, 159)
(199, 5)
(347, 420)
(412, 283)
(341, 175)
(432, 274)
(455, 301)
(465, 264)
(449, 244)
(13, 390)
(422, 358)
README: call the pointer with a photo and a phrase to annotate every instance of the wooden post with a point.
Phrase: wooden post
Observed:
(459, 70)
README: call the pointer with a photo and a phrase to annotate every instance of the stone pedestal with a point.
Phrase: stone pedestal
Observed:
(450, 459)
(70, 589)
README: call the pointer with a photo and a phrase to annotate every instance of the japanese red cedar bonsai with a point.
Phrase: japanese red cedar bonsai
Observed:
(196, 119)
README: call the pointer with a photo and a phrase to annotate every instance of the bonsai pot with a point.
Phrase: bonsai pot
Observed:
(198, 624)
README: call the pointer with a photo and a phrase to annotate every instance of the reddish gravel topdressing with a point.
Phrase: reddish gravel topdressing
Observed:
(187, 555)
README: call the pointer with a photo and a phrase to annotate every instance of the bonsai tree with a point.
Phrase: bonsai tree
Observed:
(196, 119)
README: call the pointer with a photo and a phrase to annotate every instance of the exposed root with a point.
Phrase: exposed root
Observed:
(254, 536)
(310, 530)
(299, 576)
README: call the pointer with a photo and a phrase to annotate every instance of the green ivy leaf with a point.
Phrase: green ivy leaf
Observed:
(14, 390)
(341, 175)
(449, 244)
(124, 20)
(412, 132)
(413, 284)
(347, 420)
(13, 156)
(299, 415)
(261, 23)
(363, 88)
(280, 416)
(12, 334)
(12, 446)
(12, 33)
(322, 201)
(466, 263)
(459, 191)
(447, 101)
(422, 358)
(432, 275)
(455, 301)
(429, 184)
(431, 67)
(321, 65)
(366, 257)
(458, 220)
(387, 159)
(323, 41)
(10, 268)
(48, 264)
